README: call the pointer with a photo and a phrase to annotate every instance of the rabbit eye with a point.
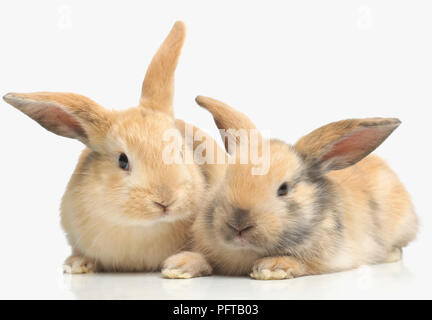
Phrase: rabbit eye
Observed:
(283, 190)
(123, 162)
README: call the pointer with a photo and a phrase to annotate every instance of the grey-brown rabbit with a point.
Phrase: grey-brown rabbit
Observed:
(323, 206)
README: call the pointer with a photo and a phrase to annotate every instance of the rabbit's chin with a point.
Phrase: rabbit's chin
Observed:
(243, 243)
(167, 218)
(147, 221)
(239, 243)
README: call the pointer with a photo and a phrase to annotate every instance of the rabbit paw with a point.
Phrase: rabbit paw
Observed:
(78, 264)
(185, 265)
(276, 268)
(394, 255)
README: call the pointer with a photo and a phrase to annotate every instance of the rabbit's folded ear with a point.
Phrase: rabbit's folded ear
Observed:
(341, 144)
(228, 120)
(66, 114)
(158, 86)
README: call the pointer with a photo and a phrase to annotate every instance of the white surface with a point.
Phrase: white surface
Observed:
(390, 281)
(290, 65)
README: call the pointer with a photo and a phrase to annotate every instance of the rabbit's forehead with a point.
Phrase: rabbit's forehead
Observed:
(137, 128)
(282, 162)
(285, 162)
(285, 165)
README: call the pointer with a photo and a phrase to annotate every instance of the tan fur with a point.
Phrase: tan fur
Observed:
(113, 217)
(331, 139)
(339, 212)
(158, 86)
(186, 265)
(218, 109)
(52, 109)
(395, 224)
(214, 170)
(277, 268)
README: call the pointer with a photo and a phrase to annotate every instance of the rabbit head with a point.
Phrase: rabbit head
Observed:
(279, 211)
(123, 173)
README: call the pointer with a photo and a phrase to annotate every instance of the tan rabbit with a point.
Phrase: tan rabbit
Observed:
(125, 209)
(320, 208)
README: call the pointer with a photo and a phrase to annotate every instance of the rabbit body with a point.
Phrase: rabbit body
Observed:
(367, 218)
(323, 206)
(97, 228)
(132, 198)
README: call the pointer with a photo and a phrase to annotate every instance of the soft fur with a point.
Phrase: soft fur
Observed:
(338, 214)
(111, 216)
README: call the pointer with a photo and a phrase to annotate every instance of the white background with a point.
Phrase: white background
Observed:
(290, 65)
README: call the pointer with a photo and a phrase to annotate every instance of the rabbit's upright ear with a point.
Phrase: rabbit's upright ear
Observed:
(66, 114)
(158, 86)
(230, 122)
(341, 144)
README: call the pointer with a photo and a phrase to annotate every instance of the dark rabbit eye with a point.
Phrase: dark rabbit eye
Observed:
(123, 162)
(283, 189)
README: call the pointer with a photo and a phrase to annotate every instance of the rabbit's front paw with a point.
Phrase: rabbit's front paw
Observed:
(185, 265)
(394, 255)
(276, 268)
(78, 264)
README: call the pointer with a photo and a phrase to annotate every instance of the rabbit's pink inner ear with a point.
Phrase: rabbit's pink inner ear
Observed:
(51, 116)
(354, 147)
(58, 121)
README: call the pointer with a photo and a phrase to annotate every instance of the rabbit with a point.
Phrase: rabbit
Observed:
(124, 208)
(325, 205)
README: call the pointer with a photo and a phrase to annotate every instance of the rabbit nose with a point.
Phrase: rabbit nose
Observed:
(240, 228)
(162, 206)
(240, 221)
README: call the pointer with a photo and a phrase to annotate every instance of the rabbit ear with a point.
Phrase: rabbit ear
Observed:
(227, 118)
(158, 86)
(66, 114)
(344, 143)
